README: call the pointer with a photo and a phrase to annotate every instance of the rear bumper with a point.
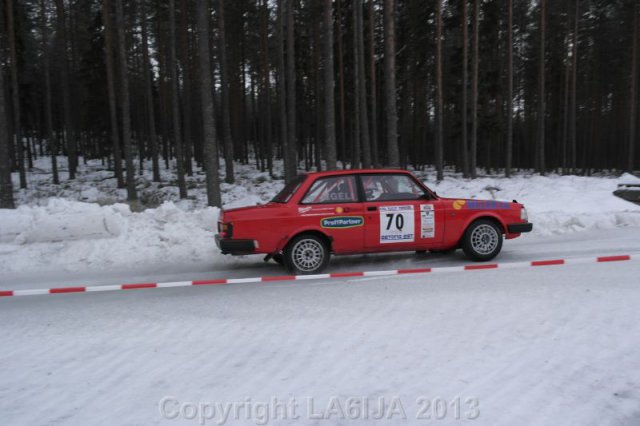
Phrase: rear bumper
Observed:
(235, 246)
(519, 228)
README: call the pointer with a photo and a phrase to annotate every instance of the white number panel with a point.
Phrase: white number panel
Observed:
(397, 224)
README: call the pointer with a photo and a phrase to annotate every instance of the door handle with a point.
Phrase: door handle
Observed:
(372, 208)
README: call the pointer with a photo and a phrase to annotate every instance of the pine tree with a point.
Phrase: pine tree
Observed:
(63, 65)
(125, 106)
(633, 93)
(473, 163)
(507, 168)
(372, 84)
(15, 93)
(540, 139)
(148, 88)
(6, 187)
(390, 83)
(329, 83)
(175, 101)
(51, 140)
(439, 100)
(465, 81)
(226, 104)
(291, 165)
(362, 86)
(206, 96)
(111, 87)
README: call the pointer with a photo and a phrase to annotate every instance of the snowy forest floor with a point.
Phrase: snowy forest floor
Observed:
(85, 225)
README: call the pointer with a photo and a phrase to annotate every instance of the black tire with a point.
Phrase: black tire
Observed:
(482, 240)
(306, 254)
(278, 258)
(421, 252)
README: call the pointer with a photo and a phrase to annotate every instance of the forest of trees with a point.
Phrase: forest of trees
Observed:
(475, 85)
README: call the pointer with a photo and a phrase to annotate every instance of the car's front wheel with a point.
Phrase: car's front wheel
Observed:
(482, 240)
(306, 254)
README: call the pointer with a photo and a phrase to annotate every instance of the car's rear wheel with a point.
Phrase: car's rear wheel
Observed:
(482, 240)
(306, 254)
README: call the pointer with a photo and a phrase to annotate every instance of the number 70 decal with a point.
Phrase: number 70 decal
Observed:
(397, 224)
(399, 221)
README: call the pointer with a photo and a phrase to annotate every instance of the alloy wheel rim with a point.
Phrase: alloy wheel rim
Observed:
(307, 255)
(484, 239)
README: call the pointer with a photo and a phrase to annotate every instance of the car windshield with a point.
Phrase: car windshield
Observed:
(288, 190)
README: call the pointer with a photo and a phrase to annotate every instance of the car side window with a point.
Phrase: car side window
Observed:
(388, 187)
(334, 189)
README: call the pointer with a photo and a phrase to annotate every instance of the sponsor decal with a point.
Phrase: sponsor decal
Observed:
(458, 204)
(481, 205)
(342, 222)
(427, 221)
(397, 224)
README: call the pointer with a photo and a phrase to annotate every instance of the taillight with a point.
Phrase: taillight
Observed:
(225, 229)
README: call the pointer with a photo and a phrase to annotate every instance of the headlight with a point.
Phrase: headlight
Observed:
(523, 215)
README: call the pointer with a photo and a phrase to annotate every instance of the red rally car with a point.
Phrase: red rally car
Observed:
(365, 211)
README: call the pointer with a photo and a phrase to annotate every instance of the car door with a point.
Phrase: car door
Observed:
(399, 213)
(333, 204)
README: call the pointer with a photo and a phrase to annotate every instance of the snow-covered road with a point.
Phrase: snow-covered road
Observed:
(553, 345)
(528, 247)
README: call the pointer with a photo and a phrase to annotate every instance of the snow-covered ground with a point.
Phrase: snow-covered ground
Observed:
(541, 346)
(85, 226)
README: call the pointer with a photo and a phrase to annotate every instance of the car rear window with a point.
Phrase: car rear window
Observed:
(289, 189)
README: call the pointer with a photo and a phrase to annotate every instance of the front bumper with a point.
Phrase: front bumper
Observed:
(519, 228)
(235, 247)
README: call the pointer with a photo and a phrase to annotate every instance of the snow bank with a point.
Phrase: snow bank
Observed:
(75, 236)
(60, 220)
(556, 204)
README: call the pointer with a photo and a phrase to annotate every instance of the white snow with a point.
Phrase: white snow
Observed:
(83, 225)
(556, 204)
(554, 345)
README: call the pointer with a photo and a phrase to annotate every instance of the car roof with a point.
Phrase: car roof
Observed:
(356, 172)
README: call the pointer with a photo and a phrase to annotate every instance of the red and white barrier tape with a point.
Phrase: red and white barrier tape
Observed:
(471, 267)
